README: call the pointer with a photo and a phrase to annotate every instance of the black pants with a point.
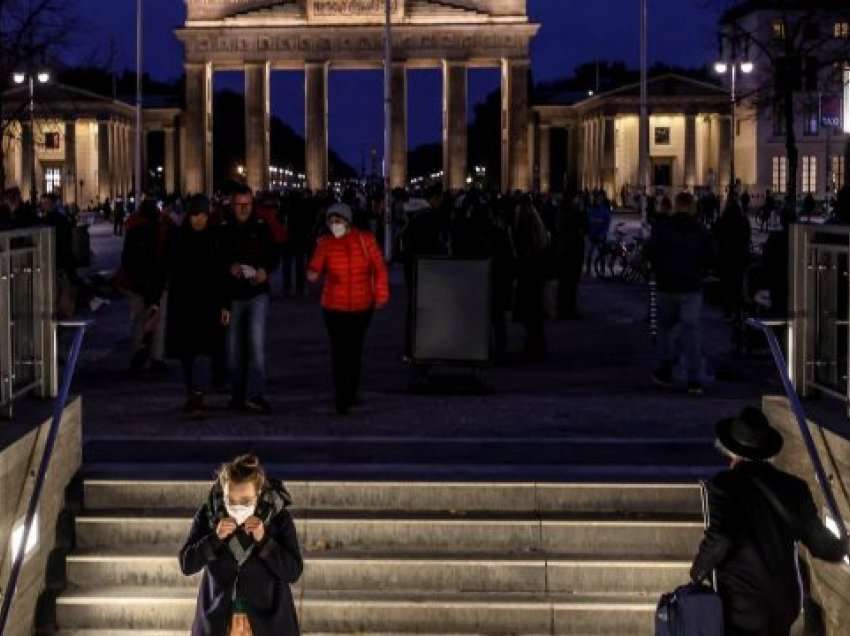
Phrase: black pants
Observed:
(190, 375)
(347, 331)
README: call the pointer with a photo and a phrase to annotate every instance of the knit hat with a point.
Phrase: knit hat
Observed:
(198, 204)
(341, 210)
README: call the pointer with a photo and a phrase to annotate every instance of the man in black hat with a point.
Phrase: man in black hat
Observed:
(757, 515)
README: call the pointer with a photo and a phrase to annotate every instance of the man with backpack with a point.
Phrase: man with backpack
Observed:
(757, 514)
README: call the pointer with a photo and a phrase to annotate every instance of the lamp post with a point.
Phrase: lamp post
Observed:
(139, 137)
(732, 68)
(42, 77)
(643, 127)
(388, 130)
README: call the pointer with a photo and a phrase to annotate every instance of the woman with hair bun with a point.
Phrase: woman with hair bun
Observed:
(244, 540)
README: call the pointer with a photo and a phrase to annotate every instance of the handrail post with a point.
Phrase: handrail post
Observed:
(6, 363)
(802, 422)
(58, 410)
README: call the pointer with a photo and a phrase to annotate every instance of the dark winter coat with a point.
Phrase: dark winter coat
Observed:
(196, 278)
(250, 243)
(681, 251)
(141, 263)
(752, 546)
(734, 238)
(263, 580)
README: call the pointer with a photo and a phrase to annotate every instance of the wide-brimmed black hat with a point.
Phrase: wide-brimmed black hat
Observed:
(749, 435)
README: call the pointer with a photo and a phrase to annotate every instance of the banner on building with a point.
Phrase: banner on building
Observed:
(831, 111)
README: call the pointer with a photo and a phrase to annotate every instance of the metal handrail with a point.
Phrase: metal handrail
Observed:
(800, 415)
(58, 409)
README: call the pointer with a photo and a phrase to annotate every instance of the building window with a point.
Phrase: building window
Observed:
(778, 30)
(842, 30)
(51, 141)
(811, 123)
(810, 174)
(53, 180)
(839, 173)
(662, 136)
(780, 174)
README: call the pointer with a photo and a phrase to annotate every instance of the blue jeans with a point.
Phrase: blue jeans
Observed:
(679, 316)
(246, 347)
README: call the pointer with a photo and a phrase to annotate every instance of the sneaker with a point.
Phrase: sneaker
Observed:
(695, 389)
(258, 404)
(662, 378)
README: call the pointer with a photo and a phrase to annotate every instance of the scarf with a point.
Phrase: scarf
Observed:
(272, 500)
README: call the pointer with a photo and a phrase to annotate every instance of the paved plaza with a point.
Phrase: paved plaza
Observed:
(589, 411)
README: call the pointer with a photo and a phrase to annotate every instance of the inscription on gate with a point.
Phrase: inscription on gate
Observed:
(343, 11)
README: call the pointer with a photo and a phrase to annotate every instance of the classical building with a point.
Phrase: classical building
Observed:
(83, 144)
(690, 138)
(259, 36)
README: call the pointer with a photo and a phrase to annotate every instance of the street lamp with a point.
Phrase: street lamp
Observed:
(20, 78)
(731, 68)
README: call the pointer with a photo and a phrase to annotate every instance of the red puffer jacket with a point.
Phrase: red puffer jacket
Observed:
(356, 277)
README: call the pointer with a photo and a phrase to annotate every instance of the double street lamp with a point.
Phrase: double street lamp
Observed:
(731, 69)
(21, 78)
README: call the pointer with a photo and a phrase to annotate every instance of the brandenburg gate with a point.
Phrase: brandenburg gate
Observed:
(259, 36)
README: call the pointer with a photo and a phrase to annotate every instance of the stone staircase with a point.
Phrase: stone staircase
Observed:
(401, 557)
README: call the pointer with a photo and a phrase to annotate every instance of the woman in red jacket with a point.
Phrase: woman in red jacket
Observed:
(356, 283)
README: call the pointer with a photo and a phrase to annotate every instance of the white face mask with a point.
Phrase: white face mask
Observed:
(339, 229)
(239, 514)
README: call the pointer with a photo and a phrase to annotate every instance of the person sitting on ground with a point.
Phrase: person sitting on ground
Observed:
(244, 540)
(757, 514)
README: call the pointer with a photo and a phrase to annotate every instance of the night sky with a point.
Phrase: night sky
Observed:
(573, 32)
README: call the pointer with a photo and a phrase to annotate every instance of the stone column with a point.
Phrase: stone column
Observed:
(454, 124)
(103, 160)
(198, 168)
(545, 158)
(69, 178)
(515, 125)
(690, 172)
(257, 125)
(170, 166)
(724, 153)
(609, 156)
(26, 160)
(316, 125)
(398, 121)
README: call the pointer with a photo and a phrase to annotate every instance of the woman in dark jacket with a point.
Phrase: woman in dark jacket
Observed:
(532, 241)
(572, 229)
(196, 279)
(245, 542)
(734, 237)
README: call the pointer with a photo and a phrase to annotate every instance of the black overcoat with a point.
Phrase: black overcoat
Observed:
(263, 580)
(751, 544)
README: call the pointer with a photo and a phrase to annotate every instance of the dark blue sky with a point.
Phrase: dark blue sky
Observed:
(573, 31)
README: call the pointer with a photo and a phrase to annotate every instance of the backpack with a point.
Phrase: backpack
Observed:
(692, 610)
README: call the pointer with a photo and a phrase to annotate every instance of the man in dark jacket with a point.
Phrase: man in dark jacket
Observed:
(757, 515)
(680, 251)
(250, 255)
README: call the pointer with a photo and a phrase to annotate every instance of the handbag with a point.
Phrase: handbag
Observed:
(693, 609)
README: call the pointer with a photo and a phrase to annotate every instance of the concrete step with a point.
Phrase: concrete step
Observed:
(340, 612)
(577, 498)
(411, 451)
(397, 571)
(604, 538)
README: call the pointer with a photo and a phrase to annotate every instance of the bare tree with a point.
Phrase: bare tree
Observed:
(32, 32)
(798, 55)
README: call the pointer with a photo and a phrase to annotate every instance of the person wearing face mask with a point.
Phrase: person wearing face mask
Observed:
(356, 283)
(244, 540)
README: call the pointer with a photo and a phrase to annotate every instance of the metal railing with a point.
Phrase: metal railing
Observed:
(800, 415)
(58, 409)
(819, 299)
(27, 307)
